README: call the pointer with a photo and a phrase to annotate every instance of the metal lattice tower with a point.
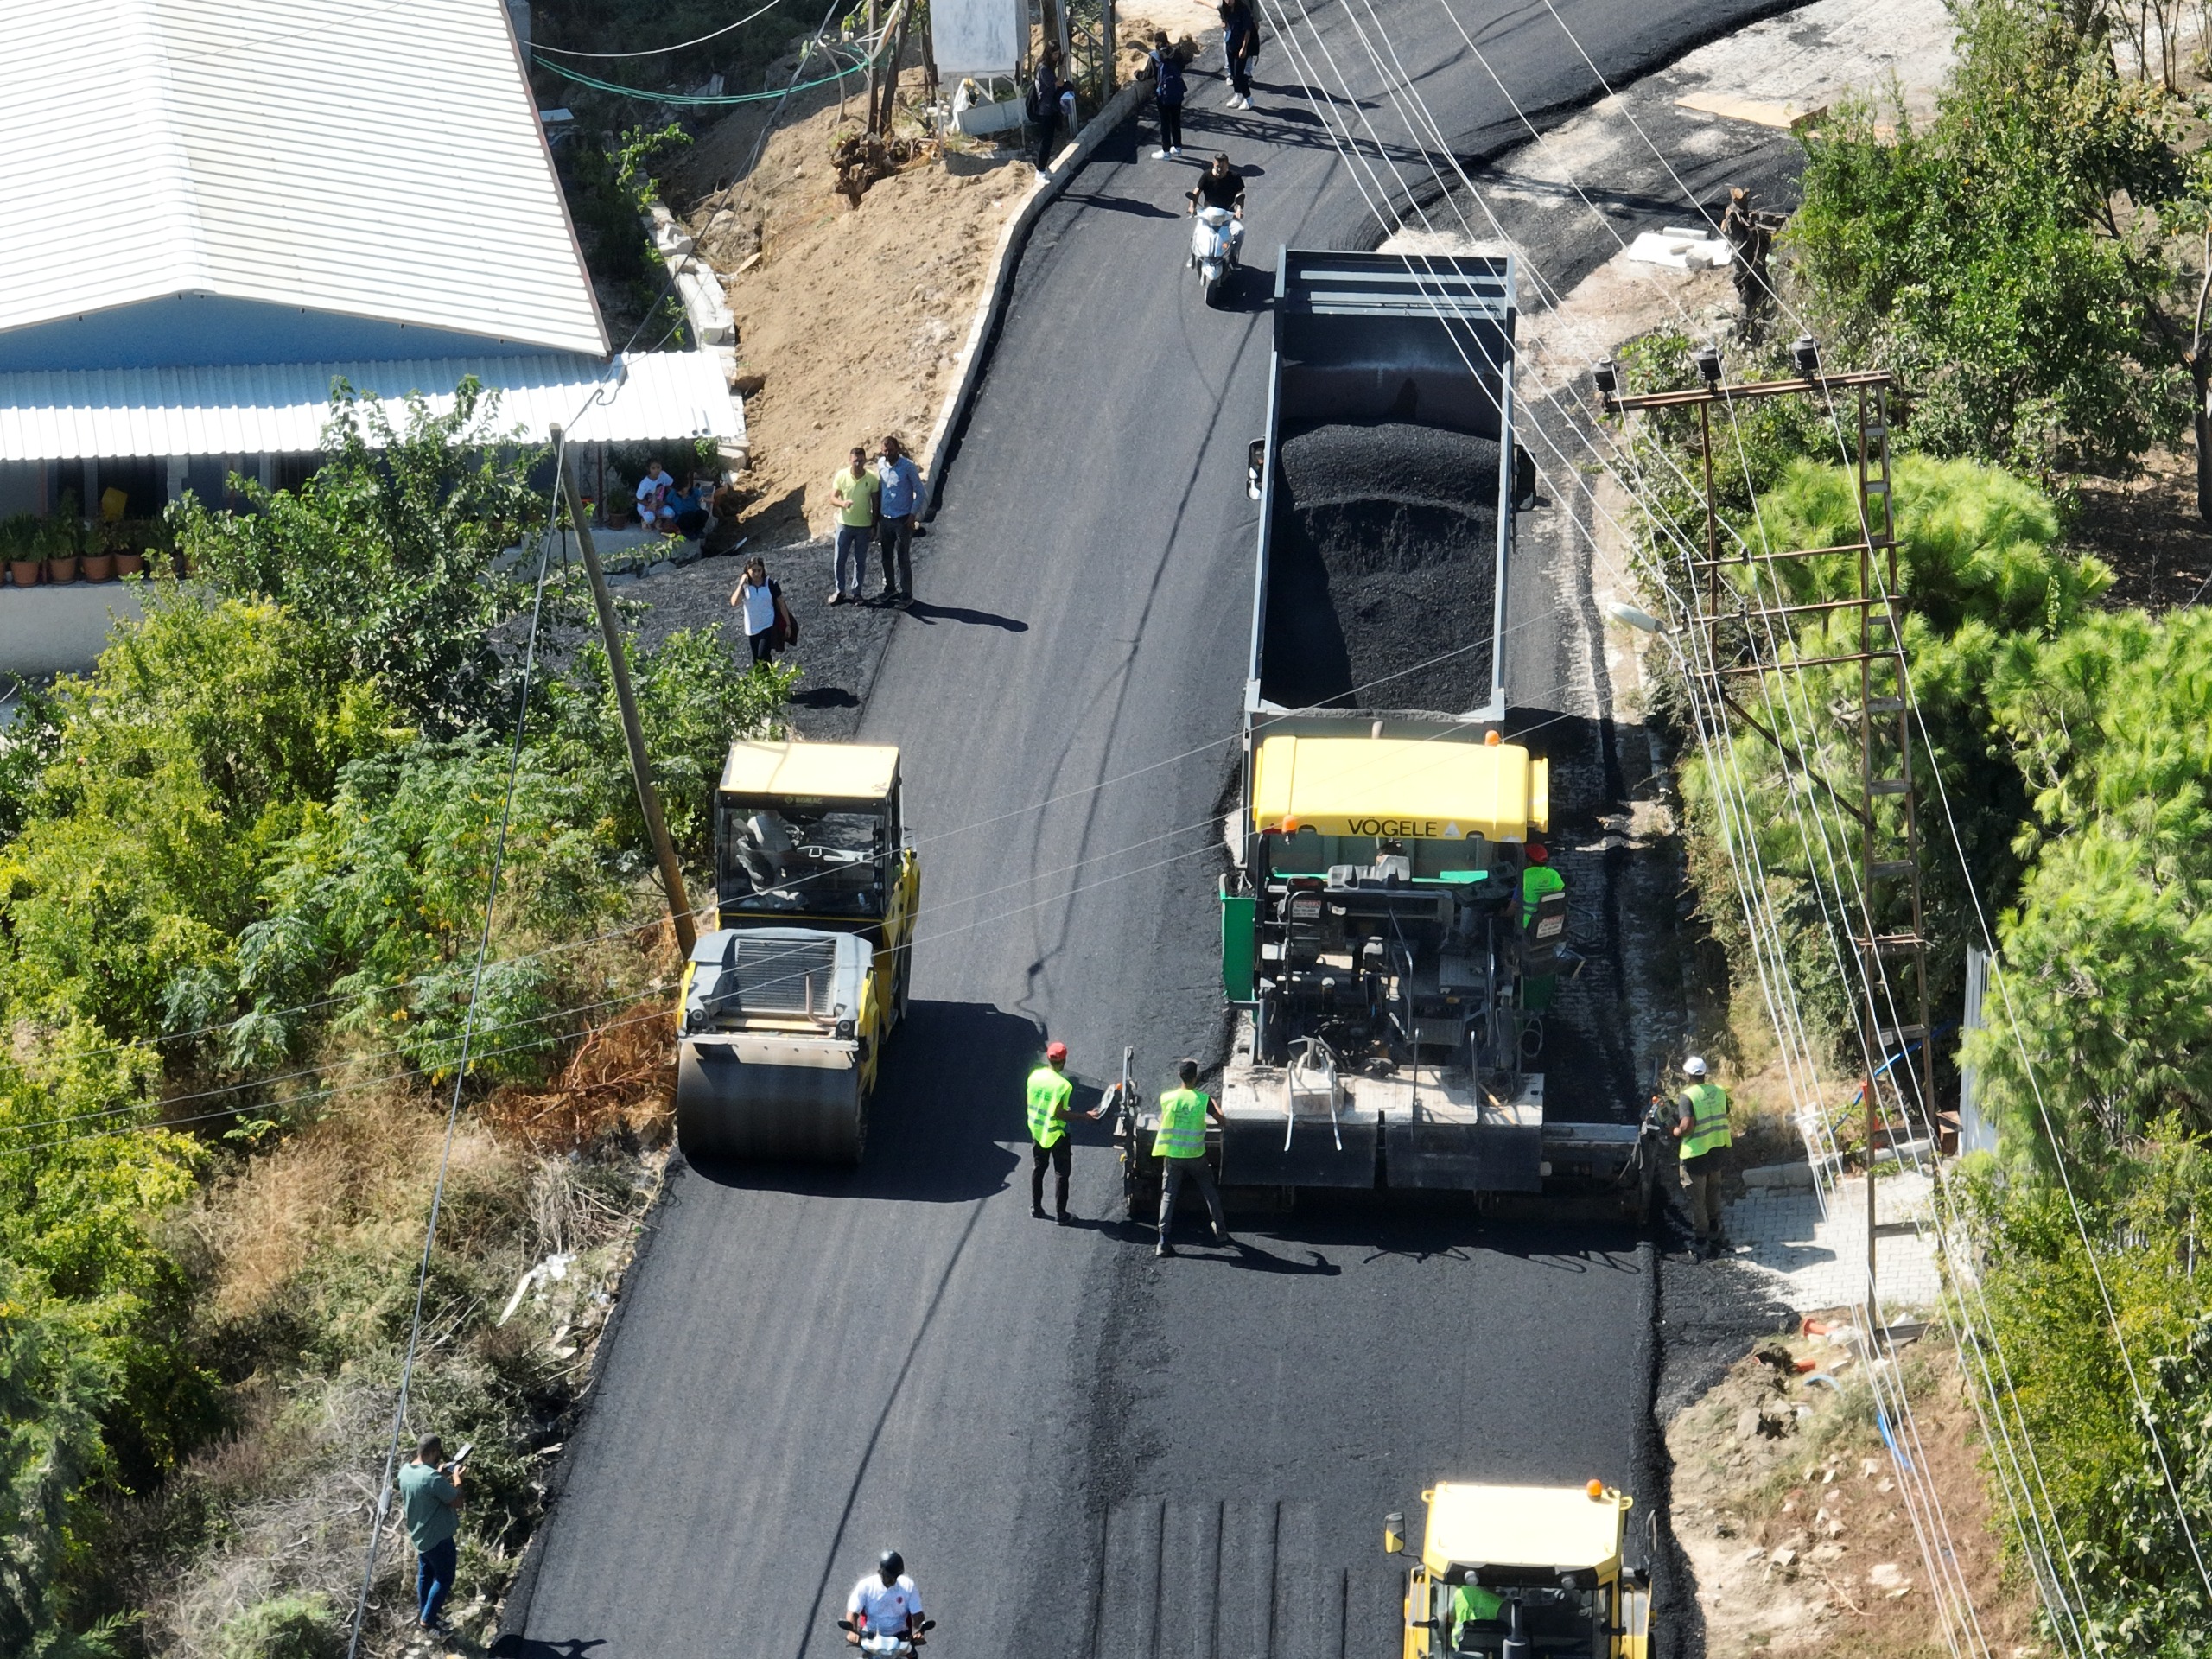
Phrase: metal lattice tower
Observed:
(1743, 635)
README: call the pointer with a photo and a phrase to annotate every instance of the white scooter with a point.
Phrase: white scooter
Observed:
(1213, 249)
(888, 1646)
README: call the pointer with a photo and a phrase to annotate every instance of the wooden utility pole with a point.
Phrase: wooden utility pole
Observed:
(633, 734)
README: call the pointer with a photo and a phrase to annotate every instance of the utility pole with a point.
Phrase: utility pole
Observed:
(633, 734)
(1890, 939)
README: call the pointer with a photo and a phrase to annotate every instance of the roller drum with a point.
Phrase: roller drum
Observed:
(779, 1099)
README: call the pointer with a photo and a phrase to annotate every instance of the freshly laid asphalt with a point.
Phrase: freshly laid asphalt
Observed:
(1083, 1450)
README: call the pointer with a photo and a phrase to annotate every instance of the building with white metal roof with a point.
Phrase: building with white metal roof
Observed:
(216, 207)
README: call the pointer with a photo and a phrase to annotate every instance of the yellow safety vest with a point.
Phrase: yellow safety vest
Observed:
(1182, 1125)
(1535, 881)
(1708, 1104)
(1048, 1091)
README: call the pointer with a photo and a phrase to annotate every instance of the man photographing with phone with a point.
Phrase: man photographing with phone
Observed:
(430, 1495)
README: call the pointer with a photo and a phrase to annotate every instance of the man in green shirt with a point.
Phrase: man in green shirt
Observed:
(1180, 1145)
(429, 1493)
(1470, 1602)
(855, 492)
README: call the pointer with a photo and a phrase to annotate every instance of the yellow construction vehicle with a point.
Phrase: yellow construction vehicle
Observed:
(1524, 1572)
(787, 1003)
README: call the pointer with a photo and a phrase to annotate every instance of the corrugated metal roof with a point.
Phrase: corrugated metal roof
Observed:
(280, 408)
(377, 158)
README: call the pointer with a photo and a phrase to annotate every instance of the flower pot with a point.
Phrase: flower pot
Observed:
(129, 564)
(25, 572)
(99, 567)
(61, 569)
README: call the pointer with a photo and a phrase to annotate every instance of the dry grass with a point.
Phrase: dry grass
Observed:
(306, 1254)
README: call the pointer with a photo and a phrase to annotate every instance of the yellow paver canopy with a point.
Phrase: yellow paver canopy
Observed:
(1520, 1526)
(1428, 789)
(845, 771)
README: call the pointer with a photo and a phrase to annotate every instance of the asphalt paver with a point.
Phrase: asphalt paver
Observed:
(1083, 1450)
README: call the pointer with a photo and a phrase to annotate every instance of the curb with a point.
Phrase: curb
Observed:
(1014, 238)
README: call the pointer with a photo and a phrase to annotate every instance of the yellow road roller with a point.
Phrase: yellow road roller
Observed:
(788, 1001)
(1523, 1572)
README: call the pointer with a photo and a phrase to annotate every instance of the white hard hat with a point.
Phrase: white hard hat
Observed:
(1693, 1066)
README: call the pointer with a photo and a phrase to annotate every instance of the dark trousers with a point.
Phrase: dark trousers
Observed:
(434, 1570)
(1240, 73)
(1061, 1156)
(763, 643)
(1174, 1173)
(1048, 130)
(896, 538)
(1170, 126)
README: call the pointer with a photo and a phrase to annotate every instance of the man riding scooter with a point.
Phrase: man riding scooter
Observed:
(885, 1605)
(1220, 187)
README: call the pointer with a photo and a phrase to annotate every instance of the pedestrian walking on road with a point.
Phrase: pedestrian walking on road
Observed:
(1167, 95)
(1180, 1145)
(855, 492)
(1239, 44)
(769, 626)
(430, 1495)
(1046, 90)
(1050, 1091)
(899, 500)
(1703, 1130)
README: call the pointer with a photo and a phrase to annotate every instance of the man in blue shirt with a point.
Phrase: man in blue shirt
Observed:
(900, 500)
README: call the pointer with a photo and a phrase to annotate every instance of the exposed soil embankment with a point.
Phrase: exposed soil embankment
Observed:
(1382, 572)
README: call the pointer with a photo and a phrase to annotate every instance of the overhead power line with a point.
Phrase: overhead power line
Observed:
(657, 51)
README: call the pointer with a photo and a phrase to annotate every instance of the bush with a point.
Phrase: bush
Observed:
(284, 1627)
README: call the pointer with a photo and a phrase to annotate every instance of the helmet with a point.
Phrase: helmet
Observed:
(1694, 1067)
(1534, 852)
(891, 1563)
(1055, 1051)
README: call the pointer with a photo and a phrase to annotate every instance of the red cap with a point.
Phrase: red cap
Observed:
(1055, 1051)
(1534, 853)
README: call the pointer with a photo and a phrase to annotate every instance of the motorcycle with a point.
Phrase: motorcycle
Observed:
(888, 1646)
(1212, 249)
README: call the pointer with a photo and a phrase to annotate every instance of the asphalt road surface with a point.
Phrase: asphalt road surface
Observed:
(1083, 1450)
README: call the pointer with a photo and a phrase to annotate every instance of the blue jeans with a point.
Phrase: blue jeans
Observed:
(852, 557)
(434, 1570)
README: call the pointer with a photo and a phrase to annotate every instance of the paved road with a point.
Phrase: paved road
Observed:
(1080, 1450)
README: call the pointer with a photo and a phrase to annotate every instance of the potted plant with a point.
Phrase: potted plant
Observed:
(63, 534)
(19, 544)
(100, 555)
(138, 534)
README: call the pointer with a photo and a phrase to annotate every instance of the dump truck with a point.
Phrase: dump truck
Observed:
(1391, 985)
(1524, 1572)
(788, 1001)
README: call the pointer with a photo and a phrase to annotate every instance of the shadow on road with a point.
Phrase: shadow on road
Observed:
(1119, 204)
(934, 614)
(522, 1647)
(952, 1081)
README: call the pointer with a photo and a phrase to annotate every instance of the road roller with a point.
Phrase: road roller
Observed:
(1525, 1572)
(788, 1001)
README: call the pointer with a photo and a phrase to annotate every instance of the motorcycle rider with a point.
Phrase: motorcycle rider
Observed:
(884, 1603)
(1220, 187)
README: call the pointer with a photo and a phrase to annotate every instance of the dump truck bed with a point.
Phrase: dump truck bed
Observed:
(1385, 508)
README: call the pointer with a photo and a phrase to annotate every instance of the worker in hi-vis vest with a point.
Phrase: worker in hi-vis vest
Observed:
(1180, 1145)
(1050, 1091)
(1538, 879)
(1703, 1130)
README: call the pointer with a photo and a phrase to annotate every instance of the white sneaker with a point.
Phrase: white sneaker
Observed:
(1043, 177)
(1234, 100)
(1159, 154)
(1176, 149)
(1244, 104)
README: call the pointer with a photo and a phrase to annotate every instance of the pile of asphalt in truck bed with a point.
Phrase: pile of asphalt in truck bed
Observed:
(1384, 560)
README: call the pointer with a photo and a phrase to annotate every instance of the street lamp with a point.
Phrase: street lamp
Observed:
(1805, 351)
(1707, 358)
(1630, 617)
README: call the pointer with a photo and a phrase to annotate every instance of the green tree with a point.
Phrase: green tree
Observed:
(2008, 260)
(387, 555)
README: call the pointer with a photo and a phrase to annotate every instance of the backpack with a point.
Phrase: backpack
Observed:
(1030, 106)
(1167, 87)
